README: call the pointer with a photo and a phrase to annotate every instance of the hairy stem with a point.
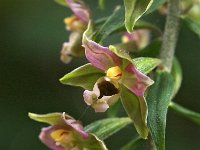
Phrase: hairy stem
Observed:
(170, 35)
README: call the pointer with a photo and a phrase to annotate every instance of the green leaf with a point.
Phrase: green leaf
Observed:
(158, 99)
(113, 23)
(136, 109)
(155, 5)
(93, 143)
(136, 144)
(61, 2)
(134, 9)
(84, 76)
(177, 75)
(51, 118)
(146, 64)
(106, 127)
(193, 26)
(193, 116)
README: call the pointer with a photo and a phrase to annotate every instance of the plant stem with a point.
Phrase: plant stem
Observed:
(194, 116)
(170, 35)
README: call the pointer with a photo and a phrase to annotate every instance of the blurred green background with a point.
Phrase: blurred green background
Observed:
(31, 35)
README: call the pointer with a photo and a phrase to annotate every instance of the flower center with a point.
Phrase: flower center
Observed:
(107, 89)
(114, 73)
(62, 137)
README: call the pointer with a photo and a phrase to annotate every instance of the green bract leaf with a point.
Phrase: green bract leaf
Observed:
(84, 76)
(158, 99)
(134, 9)
(177, 75)
(106, 127)
(93, 143)
(146, 64)
(194, 116)
(155, 5)
(193, 26)
(113, 23)
(136, 144)
(51, 118)
(136, 109)
(61, 2)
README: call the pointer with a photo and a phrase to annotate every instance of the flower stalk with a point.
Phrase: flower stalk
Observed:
(170, 35)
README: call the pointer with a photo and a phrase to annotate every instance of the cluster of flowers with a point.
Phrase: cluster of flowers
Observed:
(118, 70)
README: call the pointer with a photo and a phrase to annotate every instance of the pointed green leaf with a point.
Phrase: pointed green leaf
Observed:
(106, 127)
(93, 143)
(136, 144)
(158, 99)
(193, 116)
(113, 23)
(51, 118)
(146, 64)
(193, 26)
(136, 109)
(155, 5)
(134, 9)
(61, 2)
(177, 75)
(84, 76)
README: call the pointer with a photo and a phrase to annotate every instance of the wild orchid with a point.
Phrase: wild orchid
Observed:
(118, 68)
(66, 133)
(76, 24)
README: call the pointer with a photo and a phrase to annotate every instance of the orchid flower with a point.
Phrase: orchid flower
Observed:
(65, 133)
(119, 70)
(77, 24)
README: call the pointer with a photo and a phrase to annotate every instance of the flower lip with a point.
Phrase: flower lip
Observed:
(107, 89)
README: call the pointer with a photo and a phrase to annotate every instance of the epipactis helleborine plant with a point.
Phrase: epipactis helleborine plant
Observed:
(119, 70)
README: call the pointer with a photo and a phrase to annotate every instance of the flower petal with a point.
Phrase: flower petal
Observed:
(45, 137)
(101, 106)
(135, 81)
(79, 9)
(101, 57)
(76, 125)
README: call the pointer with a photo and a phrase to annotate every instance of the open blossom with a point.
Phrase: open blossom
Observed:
(118, 68)
(66, 133)
(77, 23)
(63, 136)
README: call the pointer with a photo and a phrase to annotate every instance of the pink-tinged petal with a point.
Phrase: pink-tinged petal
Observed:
(80, 10)
(88, 97)
(99, 56)
(135, 81)
(76, 125)
(100, 106)
(45, 137)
